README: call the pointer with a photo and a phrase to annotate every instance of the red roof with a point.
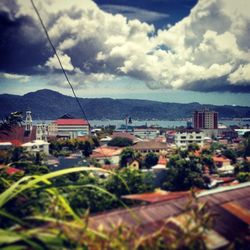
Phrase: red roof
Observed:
(220, 159)
(162, 160)
(18, 136)
(103, 152)
(71, 122)
(11, 171)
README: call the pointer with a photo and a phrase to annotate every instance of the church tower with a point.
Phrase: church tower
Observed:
(28, 121)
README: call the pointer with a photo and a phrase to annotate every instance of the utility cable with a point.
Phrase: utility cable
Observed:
(59, 60)
(61, 66)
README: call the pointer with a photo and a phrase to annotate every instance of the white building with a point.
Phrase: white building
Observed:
(242, 131)
(189, 136)
(70, 128)
(41, 131)
(37, 146)
(104, 153)
(146, 133)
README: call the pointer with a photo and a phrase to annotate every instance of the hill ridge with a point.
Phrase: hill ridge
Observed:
(50, 104)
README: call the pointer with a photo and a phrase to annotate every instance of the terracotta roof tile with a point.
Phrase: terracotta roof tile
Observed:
(220, 159)
(106, 152)
(18, 136)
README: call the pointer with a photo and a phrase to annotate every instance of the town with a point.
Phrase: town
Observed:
(70, 142)
(157, 164)
(125, 125)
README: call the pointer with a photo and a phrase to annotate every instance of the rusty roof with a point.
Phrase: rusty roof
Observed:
(156, 196)
(147, 218)
(153, 144)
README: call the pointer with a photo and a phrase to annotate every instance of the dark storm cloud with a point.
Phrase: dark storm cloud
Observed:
(206, 51)
(23, 46)
(218, 85)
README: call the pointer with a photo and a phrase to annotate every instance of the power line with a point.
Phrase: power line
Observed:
(59, 60)
(61, 66)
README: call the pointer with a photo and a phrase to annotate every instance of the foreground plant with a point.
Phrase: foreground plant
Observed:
(60, 227)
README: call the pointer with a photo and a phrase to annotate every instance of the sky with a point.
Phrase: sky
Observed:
(164, 50)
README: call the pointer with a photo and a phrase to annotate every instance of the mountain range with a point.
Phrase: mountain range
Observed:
(47, 104)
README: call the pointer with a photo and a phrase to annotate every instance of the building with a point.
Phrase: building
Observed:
(19, 135)
(106, 154)
(228, 206)
(146, 133)
(185, 137)
(223, 164)
(41, 131)
(205, 119)
(126, 135)
(69, 128)
(37, 146)
(154, 146)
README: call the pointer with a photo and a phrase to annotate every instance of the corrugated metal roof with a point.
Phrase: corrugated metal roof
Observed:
(238, 211)
(156, 196)
(148, 217)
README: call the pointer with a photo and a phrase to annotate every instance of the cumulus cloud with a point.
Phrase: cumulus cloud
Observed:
(208, 50)
(134, 13)
(65, 60)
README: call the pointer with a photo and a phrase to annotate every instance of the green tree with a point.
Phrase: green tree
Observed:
(38, 158)
(207, 160)
(12, 120)
(193, 147)
(151, 159)
(247, 147)
(18, 154)
(120, 142)
(5, 156)
(230, 154)
(87, 150)
(136, 182)
(184, 173)
(127, 155)
(243, 177)
(216, 146)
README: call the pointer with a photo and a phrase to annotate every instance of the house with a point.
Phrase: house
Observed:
(106, 154)
(10, 170)
(122, 134)
(37, 146)
(184, 137)
(223, 164)
(69, 128)
(105, 140)
(161, 164)
(134, 164)
(153, 146)
(146, 133)
(19, 135)
(5, 145)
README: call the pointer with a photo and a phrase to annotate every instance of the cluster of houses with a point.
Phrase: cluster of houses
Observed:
(35, 138)
(31, 137)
